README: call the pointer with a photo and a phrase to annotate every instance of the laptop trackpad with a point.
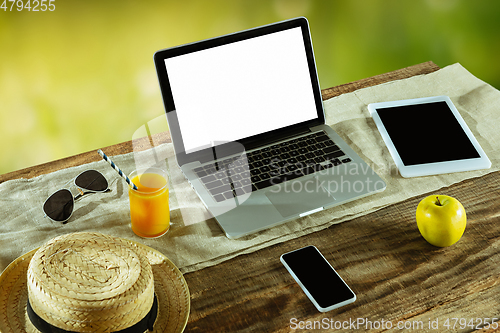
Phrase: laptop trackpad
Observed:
(298, 196)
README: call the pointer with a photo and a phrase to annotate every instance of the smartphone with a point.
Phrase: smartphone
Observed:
(320, 282)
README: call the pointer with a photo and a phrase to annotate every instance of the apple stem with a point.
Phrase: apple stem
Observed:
(438, 202)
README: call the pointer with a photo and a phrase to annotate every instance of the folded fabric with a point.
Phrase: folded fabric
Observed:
(195, 240)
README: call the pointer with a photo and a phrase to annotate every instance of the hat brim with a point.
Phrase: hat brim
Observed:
(170, 288)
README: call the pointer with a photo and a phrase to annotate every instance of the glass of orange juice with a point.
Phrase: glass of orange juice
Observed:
(149, 210)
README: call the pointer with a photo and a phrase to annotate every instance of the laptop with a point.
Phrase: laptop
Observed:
(247, 123)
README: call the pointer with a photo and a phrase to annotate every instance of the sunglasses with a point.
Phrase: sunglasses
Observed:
(59, 206)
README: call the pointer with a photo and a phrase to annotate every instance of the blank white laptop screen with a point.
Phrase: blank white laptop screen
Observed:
(241, 89)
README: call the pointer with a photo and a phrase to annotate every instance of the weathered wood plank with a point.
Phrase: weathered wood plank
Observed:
(423, 68)
(127, 147)
(87, 157)
(396, 274)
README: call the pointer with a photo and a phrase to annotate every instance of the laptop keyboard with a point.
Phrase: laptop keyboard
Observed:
(271, 165)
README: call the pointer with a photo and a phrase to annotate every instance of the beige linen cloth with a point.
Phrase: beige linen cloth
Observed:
(195, 240)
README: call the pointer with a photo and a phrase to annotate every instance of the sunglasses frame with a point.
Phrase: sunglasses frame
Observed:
(82, 191)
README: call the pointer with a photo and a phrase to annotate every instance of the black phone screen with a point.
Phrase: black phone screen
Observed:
(318, 277)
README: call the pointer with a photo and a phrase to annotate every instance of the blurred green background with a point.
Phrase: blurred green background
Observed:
(82, 77)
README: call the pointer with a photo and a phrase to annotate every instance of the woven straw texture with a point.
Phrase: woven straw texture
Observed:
(90, 282)
(114, 298)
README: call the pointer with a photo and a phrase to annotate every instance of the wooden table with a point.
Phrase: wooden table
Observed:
(399, 278)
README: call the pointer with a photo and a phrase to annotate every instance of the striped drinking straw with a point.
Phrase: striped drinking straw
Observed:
(113, 165)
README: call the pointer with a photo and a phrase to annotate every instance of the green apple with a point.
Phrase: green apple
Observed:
(441, 220)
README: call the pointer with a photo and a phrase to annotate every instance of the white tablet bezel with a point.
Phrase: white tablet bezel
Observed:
(428, 169)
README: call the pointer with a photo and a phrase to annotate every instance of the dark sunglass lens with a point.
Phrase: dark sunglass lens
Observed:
(92, 180)
(59, 205)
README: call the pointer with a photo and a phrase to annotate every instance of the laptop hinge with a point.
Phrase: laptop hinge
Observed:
(291, 135)
(275, 138)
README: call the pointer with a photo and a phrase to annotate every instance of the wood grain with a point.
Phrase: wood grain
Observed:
(396, 274)
(398, 277)
(420, 69)
(145, 143)
(87, 157)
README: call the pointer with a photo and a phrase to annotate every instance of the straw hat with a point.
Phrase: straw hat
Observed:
(90, 282)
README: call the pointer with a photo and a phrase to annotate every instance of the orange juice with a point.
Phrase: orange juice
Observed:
(149, 210)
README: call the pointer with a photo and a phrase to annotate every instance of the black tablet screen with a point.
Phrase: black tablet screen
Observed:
(426, 133)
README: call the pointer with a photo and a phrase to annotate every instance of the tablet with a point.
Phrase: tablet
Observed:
(427, 136)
